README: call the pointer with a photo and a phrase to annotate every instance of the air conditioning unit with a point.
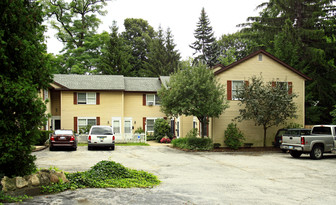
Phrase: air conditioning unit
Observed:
(150, 103)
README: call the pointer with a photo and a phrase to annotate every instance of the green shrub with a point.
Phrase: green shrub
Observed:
(105, 174)
(139, 130)
(293, 125)
(42, 137)
(161, 129)
(217, 145)
(192, 133)
(233, 137)
(191, 142)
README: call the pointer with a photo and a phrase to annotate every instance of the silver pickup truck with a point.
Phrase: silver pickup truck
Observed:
(321, 140)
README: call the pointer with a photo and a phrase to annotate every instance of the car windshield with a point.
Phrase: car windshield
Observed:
(63, 132)
(101, 131)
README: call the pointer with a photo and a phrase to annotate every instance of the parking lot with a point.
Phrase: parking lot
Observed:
(200, 177)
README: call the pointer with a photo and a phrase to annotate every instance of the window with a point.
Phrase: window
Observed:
(116, 126)
(236, 87)
(84, 122)
(152, 99)
(282, 85)
(128, 126)
(87, 98)
(260, 57)
(150, 125)
(45, 94)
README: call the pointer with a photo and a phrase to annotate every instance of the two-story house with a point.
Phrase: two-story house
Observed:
(125, 103)
(129, 103)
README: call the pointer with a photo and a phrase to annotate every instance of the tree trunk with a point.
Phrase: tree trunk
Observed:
(265, 128)
(203, 121)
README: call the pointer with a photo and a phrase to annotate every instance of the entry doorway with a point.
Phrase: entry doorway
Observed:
(55, 123)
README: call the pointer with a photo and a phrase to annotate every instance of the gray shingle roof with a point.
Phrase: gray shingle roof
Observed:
(109, 82)
(142, 84)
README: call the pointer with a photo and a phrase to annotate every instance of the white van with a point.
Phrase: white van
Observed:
(101, 136)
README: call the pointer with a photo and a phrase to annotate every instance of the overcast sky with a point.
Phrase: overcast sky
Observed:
(181, 16)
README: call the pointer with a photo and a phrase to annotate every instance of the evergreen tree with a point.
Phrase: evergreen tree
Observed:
(302, 34)
(173, 56)
(157, 55)
(115, 56)
(163, 59)
(24, 71)
(205, 43)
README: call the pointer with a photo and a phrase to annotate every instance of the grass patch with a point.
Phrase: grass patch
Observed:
(4, 198)
(103, 175)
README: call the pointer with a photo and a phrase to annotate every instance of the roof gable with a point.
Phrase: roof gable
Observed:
(220, 68)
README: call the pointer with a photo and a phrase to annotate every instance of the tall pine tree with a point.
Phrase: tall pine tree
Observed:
(163, 58)
(205, 43)
(302, 34)
(115, 56)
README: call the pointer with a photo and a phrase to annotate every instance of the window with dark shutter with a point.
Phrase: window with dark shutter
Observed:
(75, 98)
(75, 124)
(229, 90)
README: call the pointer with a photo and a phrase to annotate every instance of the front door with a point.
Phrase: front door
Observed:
(128, 128)
(57, 124)
(116, 126)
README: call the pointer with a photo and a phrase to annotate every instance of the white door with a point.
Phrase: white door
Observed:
(116, 126)
(128, 128)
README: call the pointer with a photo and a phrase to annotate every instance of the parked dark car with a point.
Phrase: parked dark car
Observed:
(278, 138)
(62, 138)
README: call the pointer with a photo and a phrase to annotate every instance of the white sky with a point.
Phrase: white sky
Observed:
(181, 16)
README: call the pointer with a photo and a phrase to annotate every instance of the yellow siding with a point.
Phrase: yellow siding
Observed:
(270, 71)
(110, 106)
(135, 109)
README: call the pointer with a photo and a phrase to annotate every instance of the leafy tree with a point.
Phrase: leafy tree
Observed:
(76, 24)
(234, 47)
(24, 70)
(115, 56)
(138, 35)
(267, 105)
(193, 91)
(302, 34)
(205, 43)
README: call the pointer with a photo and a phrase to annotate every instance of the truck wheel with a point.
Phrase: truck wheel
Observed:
(317, 152)
(295, 154)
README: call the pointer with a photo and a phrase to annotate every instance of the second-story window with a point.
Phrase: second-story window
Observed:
(236, 87)
(87, 98)
(152, 99)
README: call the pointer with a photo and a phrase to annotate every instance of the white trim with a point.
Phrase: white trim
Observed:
(234, 89)
(120, 127)
(131, 121)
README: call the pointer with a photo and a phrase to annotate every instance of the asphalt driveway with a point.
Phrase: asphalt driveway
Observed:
(200, 177)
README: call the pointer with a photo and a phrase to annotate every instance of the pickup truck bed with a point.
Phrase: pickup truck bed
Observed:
(321, 140)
